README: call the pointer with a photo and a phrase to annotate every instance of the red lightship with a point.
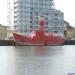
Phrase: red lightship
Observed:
(38, 37)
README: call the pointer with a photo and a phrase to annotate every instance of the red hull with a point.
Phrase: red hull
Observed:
(45, 40)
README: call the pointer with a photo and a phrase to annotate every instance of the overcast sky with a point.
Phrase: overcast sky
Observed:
(66, 6)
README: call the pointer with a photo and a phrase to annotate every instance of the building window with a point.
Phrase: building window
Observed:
(31, 8)
(56, 22)
(25, 30)
(30, 21)
(56, 14)
(30, 12)
(46, 23)
(46, 31)
(55, 18)
(36, 13)
(46, 13)
(46, 27)
(31, 18)
(36, 22)
(21, 30)
(30, 30)
(15, 26)
(56, 27)
(56, 31)
(46, 18)
(36, 17)
(30, 26)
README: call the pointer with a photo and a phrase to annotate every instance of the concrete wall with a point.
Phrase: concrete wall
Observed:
(3, 32)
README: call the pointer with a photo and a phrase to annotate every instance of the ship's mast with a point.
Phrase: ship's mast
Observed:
(41, 23)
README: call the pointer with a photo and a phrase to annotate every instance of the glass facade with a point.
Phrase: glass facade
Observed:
(27, 12)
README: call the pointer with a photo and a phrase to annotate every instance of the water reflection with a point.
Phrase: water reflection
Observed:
(38, 50)
(37, 60)
(47, 50)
